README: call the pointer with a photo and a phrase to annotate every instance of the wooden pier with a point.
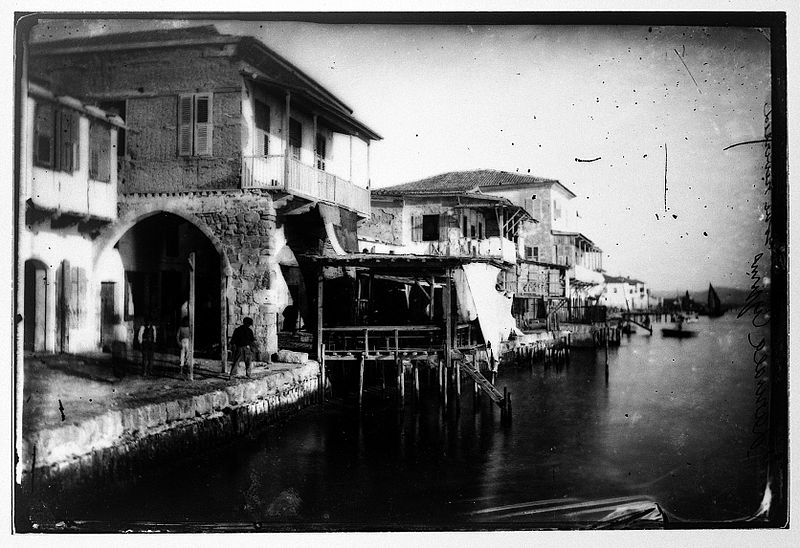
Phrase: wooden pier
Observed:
(437, 342)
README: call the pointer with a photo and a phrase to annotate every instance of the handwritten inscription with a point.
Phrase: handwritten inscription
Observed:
(757, 309)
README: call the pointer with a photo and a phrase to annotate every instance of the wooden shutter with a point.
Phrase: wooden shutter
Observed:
(185, 124)
(43, 155)
(203, 124)
(262, 118)
(416, 228)
(528, 205)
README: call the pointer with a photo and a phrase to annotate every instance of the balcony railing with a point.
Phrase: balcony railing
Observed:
(306, 181)
(493, 247)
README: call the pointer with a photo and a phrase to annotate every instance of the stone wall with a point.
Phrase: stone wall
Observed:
(385, 224)
(241, 226)
(150, 81)
(120, 443)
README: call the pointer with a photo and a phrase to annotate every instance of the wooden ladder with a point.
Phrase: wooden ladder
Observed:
(496, 396)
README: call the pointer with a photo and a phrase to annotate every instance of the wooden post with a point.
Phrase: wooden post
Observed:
(322, 369)
(320, 298)
(447, 305)
(361, 361)
(458, 378)
(401, 381)
(287, 127)
(416, 382)
(192, 290)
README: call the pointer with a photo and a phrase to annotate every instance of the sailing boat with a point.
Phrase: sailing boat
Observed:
(714, 304)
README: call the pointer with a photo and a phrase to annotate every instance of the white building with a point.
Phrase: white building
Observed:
(625, 293)
(68, 193)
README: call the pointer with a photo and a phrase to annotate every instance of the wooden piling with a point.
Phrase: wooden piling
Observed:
(361, 361)
(322, 371)
(458, 378)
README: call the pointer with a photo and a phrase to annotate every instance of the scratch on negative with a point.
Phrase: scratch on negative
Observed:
(592, 160)
(687, 70)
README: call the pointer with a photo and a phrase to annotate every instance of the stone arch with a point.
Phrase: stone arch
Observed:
(140, 213)
(135, 215)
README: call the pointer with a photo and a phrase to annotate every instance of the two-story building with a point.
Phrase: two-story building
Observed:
(449, 215)
(625, 293)
(233, 165)
(558, 239)
(68, 195)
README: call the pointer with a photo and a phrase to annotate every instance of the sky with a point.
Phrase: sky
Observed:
(535, 99)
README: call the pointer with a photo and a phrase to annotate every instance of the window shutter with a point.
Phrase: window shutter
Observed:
(44, 135)
(74, 141)
(416, 228)
(528, 205)
(203, 124)
(185, 124)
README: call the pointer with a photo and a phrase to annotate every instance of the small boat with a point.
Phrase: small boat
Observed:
(714, 304)
(678, 331)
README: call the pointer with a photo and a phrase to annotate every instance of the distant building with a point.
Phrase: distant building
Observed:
(449, 215)
(232, 160)
(68, 195)
(625, 293)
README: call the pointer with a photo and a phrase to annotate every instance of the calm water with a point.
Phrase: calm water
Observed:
(672, 422)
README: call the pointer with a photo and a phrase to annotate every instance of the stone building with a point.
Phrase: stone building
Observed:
(625, 293)
(451, 215)
(558, 239)
(233, 166)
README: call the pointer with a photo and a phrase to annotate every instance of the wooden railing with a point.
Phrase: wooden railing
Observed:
(382, 340)
(581, 313)
(303, 180)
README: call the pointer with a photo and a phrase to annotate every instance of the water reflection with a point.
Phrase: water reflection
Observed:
(668, 421)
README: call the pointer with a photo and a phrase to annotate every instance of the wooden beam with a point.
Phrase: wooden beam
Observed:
(319, 341)
(287, 123)
(192, 289)
(448, 340)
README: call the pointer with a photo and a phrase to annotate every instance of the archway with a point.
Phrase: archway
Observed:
(35, 311)
(155, 254)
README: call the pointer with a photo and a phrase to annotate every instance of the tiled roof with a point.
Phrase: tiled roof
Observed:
(271, 66)
(621, 280)
(158, 35)
(461, 181)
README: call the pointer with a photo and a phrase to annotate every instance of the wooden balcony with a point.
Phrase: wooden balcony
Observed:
(314, 184)
(73, 194)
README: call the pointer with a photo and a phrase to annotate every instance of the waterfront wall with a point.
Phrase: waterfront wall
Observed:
(119, 443)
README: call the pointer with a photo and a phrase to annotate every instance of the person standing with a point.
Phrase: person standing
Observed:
(242, 341)
(147, 341)
(183, 337)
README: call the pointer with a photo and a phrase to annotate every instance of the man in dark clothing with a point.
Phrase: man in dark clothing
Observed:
(147, 342)
(241, 346)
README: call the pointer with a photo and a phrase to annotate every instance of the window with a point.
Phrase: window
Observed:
(465, 226)
(195, 124)
(528, 252)
(99, 152)
(56, 138)
(119, 108)
(535, 253)
(320, 151)
(262, 116)
(430, 228)
(556, 210)
(295, 138)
